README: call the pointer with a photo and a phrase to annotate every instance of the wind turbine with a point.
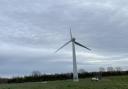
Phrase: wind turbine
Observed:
(73, 41)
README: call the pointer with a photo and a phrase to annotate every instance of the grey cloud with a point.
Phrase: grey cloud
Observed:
(30, 32)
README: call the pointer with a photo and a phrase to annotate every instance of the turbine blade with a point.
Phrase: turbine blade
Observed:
(63, 46)
(82, 45)
(70, 33)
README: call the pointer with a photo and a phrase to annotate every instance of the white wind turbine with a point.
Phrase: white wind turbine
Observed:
(73, 41)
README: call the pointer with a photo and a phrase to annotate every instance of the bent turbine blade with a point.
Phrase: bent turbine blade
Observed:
(63, 46)
(82, 45)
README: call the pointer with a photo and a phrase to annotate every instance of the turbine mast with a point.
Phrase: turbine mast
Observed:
(75, 73)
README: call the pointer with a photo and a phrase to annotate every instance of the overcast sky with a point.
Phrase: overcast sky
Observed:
(31, 30)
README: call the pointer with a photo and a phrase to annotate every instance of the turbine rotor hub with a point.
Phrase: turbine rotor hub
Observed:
(73, 39)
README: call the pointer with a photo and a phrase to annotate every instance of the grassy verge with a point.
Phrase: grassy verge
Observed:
(116, 82)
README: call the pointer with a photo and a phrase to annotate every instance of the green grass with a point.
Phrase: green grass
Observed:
(116, 82)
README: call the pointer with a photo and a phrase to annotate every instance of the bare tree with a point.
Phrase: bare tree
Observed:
(101, 69)
(81, 71)
(110, 69)
(36, 73)
(118, 69)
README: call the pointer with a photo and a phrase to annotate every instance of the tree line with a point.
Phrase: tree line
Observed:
(38, 77)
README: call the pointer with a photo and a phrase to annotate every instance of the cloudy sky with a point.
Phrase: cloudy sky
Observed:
(31, 30)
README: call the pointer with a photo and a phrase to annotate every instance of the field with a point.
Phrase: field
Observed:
(116, 82)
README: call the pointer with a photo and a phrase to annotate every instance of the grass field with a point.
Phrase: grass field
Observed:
(116, 82)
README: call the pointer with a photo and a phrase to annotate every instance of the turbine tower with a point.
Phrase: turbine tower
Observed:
(73, 41)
